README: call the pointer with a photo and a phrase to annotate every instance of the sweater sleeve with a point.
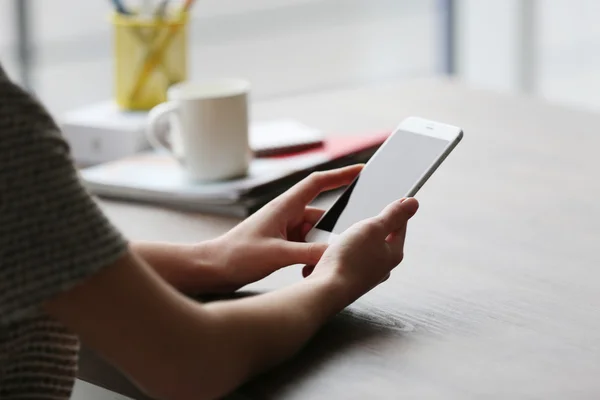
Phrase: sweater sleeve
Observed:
(52, 233)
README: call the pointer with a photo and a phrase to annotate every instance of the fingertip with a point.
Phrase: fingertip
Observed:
(350, 169)
(354, 170)
(396, 214)
(304, 253)
(410, 205)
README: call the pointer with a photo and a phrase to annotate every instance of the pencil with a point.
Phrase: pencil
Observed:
(154, 54)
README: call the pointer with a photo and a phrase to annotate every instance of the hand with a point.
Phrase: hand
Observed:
(273, 237)
(364, 255)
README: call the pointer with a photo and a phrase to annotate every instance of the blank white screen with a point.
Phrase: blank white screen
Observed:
(389, 176)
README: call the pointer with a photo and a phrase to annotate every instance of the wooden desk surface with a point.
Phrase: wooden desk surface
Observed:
(499, 295)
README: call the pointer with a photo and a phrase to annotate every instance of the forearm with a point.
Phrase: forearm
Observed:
(255, 333)
(217, 347)
(176, 348)
(240, 338)
(188, 268)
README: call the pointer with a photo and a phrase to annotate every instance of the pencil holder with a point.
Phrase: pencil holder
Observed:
(149, 56)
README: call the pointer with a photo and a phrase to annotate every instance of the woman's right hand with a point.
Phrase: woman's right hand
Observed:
(364, 255)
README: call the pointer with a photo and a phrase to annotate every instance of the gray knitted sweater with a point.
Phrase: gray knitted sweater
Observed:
(52, 236)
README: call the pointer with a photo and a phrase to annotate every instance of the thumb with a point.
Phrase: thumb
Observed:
(395, 216)
(303, 253)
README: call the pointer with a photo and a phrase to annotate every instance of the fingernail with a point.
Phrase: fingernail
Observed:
(403, 200)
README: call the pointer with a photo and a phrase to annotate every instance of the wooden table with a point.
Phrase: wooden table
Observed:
(499, 295)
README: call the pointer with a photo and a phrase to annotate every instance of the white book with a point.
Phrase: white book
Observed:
(101, 132)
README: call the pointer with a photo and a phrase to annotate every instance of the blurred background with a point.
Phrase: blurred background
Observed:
(61, 49)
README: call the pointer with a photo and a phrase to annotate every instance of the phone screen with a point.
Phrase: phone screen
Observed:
(390, 175)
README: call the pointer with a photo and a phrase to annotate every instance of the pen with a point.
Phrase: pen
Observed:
(160, 11)
(154, 55)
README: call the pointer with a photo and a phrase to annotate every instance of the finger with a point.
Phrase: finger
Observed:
(307, 270)
(299, 229)
(396, 243)
(312, 215)
(396, 238)
(395, 216)
(385, 278)
(306, 190)
(306, 227)
(310, 218)
(298, 234)
(303, 253)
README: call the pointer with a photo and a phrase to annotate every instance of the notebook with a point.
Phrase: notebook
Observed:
(282, 136)
(157, 178)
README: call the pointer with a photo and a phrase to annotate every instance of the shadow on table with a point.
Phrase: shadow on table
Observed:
(352, 327)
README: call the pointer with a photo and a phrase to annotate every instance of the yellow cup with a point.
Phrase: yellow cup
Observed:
(149, 56)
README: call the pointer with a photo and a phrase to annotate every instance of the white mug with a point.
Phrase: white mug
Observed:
(208, 128)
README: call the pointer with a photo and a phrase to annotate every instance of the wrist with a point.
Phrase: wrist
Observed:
(335, 293)
(210, 267)
(193, 268)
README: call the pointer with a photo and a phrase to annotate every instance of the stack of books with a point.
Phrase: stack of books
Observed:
(157, 178)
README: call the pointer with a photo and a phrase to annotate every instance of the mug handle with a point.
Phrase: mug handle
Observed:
(155, 117)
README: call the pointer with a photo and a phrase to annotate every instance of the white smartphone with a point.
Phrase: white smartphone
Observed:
(398, 169)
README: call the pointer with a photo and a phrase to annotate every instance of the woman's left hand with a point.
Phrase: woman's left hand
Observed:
(273, 237)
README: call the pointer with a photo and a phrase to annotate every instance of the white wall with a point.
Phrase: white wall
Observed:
(570, 52)
(555, 55)
(347, 41)
(283, 46)
(496, 48)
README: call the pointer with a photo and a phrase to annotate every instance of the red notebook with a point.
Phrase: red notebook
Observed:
(158, 178)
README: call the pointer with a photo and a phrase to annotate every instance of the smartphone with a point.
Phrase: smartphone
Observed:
(398, 169)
